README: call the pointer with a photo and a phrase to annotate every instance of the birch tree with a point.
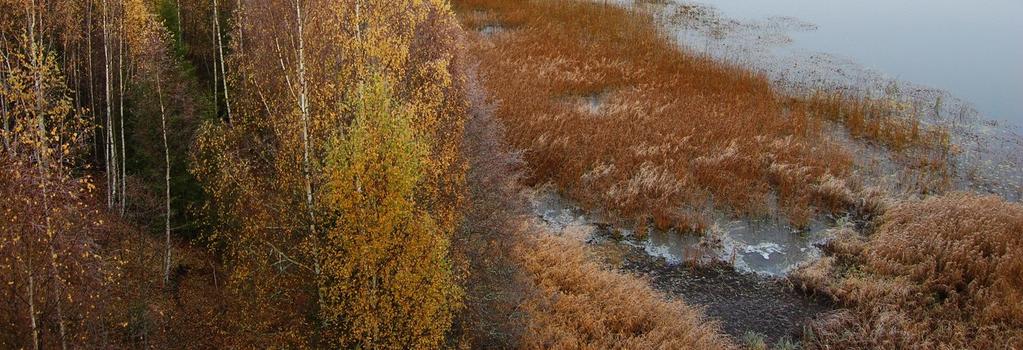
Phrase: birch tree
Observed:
(220, 51)
(273, 174)
(111, 156)
(44, 244)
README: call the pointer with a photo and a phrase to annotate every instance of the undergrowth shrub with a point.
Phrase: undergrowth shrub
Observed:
(482, 247)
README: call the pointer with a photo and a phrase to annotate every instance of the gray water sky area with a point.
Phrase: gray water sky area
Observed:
(972, 49)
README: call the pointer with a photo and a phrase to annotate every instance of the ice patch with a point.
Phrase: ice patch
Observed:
(764, 249)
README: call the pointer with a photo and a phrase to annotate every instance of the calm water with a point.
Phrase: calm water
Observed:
(972, 49)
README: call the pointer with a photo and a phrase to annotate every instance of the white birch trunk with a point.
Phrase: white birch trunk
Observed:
(111, 156)
(223, 63)
(166, 179)
(120, 104)
(303, 104)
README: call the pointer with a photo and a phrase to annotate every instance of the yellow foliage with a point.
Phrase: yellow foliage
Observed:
(332, 196)
(385, 278)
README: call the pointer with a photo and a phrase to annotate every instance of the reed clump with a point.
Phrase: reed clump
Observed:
(922, 150)
(579, 305)
(944, 272)
(885, 121)
(623, 121)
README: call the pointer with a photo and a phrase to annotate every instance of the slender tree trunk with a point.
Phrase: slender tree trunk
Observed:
(303, 104)
(240, 11)
(362, 46)
(30, 252)
(216, 77)
(32, 305)
(7, 126)
(223, 63)
(167, 185)
(92, 82)
(111, 158)
(120, 104)
(58, 289)
(3, 108)
(181, 30)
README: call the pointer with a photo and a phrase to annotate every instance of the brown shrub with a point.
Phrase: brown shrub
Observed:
(614, 113)
(482, 247)
(944, 272)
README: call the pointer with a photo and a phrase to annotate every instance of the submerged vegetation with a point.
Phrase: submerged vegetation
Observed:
(354, 174)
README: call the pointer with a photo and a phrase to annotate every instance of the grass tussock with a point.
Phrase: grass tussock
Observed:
(612, 111)
(944, 272)
(579, 305)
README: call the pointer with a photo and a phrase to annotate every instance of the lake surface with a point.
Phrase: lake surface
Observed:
(971, 49)
(958, 63)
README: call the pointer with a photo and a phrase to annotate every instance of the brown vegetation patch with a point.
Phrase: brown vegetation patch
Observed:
(880, 120)
(525, 289)
(580, 305)
(678, 133)
(944, 272)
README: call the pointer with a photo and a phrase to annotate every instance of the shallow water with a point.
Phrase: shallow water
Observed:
(767, 248)
(959, 64)
(763, 247)
(972, 49)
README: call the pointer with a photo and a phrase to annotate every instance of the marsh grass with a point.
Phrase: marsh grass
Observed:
(675, 136)
(882, 120)
(944, 272)
(581, 305)
(528, 290)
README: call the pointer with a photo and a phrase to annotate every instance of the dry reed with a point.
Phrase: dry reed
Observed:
(623, 121)
(945, 272)
(580, 305)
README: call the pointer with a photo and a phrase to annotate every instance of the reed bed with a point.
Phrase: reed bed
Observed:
(881, 120)
(580, 305)
(622, 120)
(945, 272)
(526, 289)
